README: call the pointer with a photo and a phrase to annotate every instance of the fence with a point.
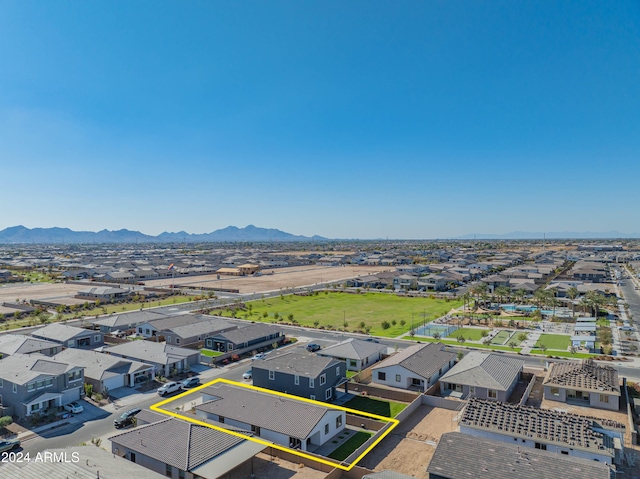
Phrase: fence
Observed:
(294, 458)
(444, 403)
(393, 395)
(364, 422)
(357, 472)
(632, 427)
(525, 395)
(406, 412)
(354, 455)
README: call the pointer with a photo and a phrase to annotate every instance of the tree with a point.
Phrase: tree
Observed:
(316, 323)
(460, 355)
(461, 339)
(512, 344)
(290, 317)
(386, 325)
(543, 347)
(522, 337)
(572, 294)
(435, 335)
(5, 421)
(502, 292)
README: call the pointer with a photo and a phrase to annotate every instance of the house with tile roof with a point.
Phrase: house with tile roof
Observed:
(180, 449)
(164, 357)
(302, 374)
(483, 375)
(585, 383)
(288, 422)
(356, 353)
(460, 456)
(416, 367)
(253, 336)
(32, 384)
(549, 430)
(11, 344)
(70, 336)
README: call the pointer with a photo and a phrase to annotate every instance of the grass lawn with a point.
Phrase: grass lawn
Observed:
(33, 276)
(332, 310)
(123, 307)
(558, 342)
(469, 334)
(453, 342)
(376, 406)
(210, 353)
(350, 374)
(353, 443)
(563, 354)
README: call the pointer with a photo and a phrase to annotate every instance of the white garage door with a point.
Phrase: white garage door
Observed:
(114, 382)
(70, 395)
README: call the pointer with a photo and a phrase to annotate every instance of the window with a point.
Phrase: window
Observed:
(337, 370)
(30, 387)
(398, 378)
(96, 338)
(73, 376)
(604, 398)
(255, 430)
(168, 339)
(472, 389)
(491, 393)
(132, 456)
(555, 391)
(382, 376)
(311, 383)
(323, 379)
(221, 419)
(326, 429)
(168, 471)
(566, 453)
(338, 422)
(327, 394)
(35, 407)
(272, 375)
(541, 446)
(177, 340)
(312, 397)
(1, 385)
(296, 380)
(140, 330)
(352, 364)
(15, 388)
(48, 382)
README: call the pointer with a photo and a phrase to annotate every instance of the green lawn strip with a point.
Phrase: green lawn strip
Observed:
(559, 342)
(124, 307)
(333, 309)
(469, 333)
(453, 342)
(376, 406)
(563, 354)
(350, 445)
(210, 353)
(350, 374)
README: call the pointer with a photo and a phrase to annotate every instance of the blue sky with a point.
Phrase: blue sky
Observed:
(413, 119)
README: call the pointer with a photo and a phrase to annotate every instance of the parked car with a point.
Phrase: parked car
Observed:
(312, 347)
(8, 444)
(168, 388)
(74, 407)
(190, 383)
(126, 418)
(247, 374)
(371, 340)
(259, 356)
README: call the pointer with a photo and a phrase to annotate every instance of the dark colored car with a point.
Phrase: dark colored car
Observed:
(126, 418)
(312, 347)
(190, 383)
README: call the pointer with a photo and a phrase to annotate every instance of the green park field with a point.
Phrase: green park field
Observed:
(358, 311)
(470, 334)
(558, 342)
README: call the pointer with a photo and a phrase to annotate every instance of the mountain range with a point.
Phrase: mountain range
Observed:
(21, 234)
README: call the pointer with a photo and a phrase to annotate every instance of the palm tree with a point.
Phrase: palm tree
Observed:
(502, 292)
(520, 294)
(595, 300)
(466, 301)
(572, 294)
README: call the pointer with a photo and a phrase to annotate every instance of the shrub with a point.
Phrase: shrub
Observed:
(386, 325)
(5, 421)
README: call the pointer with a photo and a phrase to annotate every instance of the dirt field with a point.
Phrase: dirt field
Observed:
(409, 448)
(265, 466)
(282, 278)
(43, 291)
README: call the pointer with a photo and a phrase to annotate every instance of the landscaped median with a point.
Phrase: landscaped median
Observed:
(350, 447)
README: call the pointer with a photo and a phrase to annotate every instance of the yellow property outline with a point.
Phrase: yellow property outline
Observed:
(157, 408)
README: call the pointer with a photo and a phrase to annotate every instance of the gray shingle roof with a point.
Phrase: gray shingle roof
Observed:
(249, 333)
(268, 411)
(301, 364)
(129, 319)
(461, 456)
(493, 371)
(150, 352)
(197, 328)
(353, 349)
(62, 332)
(179, 443)
(21, 344)
(99, 365)
(585, 375)
(421, 359)
(21, 369)
(170, 322)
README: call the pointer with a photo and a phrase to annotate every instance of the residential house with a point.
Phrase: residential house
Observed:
(182, 450)
(196, 331)
(104, 294)
(405, 282)
(70, 336)
(459, 456)
(253, 336)
(356, 353)
(11, 344)
(106, 372)
(305, 375)
(34, 384)
(164, 357)
(127, 321)
(416, 367)
(585, 383)
(483, 375)
(289, 422)
(119, 277)
(153, 327)
(557, 432)
(434, 282)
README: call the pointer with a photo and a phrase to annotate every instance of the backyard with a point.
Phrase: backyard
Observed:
(375, 406)
(380, 313)
(353, 443)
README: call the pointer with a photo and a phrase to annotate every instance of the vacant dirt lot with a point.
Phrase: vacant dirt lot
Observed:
(276, 468)
(408, 448)
(44, 291)
(282, 278)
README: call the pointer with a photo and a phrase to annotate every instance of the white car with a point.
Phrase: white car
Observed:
(247, 375)
(74, 407)
(169, 388)
(259, 356)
